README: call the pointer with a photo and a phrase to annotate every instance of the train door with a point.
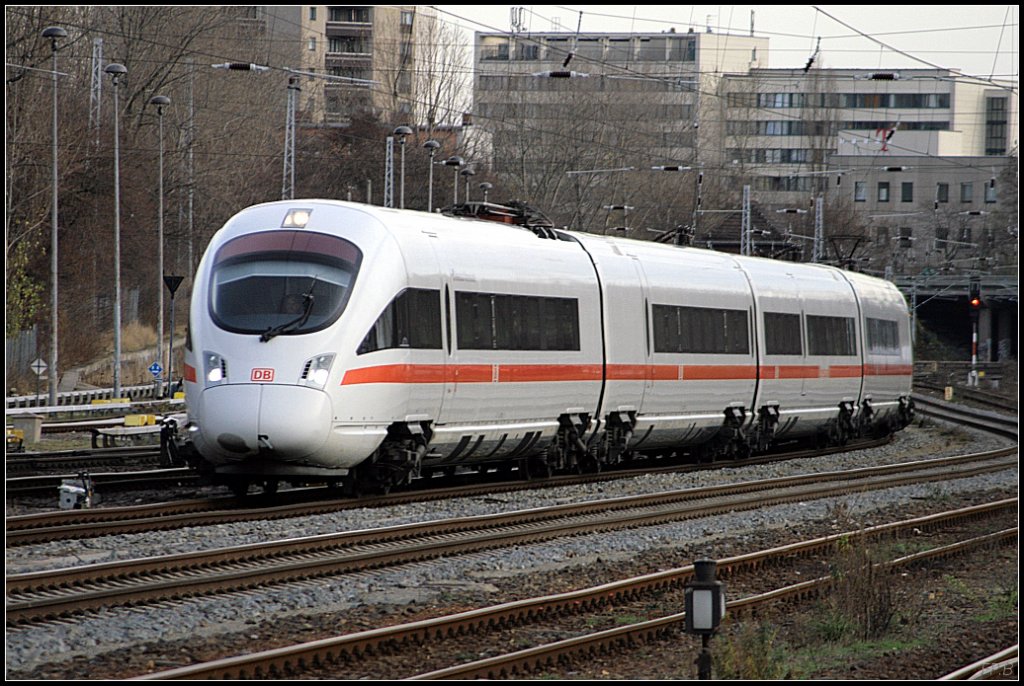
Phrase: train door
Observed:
(648, 377)
(434, 369)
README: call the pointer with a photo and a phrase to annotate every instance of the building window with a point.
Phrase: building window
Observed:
(907, 191)
(967, 192)
(883, 191)
(312, 44)
(494, 51)
(312, 13)
(359, 15)
(990, 191)
(860, 191)
(682, 50)
(906, 236)
(942, 192)
(995, 126)
(348, 44)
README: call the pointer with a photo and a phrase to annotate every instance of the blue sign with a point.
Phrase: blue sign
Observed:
(155, 369)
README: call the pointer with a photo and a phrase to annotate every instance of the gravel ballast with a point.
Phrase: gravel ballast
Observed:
(56, 642)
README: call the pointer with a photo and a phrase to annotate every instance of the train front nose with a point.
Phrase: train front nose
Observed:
(243, 420)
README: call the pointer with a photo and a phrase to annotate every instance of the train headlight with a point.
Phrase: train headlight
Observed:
(317, 370)
(215, 369)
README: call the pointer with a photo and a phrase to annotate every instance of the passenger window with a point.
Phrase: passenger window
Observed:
(411, 320)
(831, 336)
(700, 330)
(782, 334)
(494, 321)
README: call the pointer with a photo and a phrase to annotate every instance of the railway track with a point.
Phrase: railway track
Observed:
(1002, 665)
(86, 523)
(351, 648)
(39, 596)
(992, 401)
(46, 463)
(990, 422)
(32, 474)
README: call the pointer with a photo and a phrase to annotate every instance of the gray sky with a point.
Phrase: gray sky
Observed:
(981, 40)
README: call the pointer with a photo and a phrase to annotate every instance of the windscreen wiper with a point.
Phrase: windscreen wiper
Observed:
(307, 309)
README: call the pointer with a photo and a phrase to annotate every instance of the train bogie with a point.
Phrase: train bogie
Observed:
(334, 341)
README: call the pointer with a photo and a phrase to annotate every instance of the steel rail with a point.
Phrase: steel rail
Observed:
(39, 595)
(64, 525)
(283, 660)
(1001, 664)
(991, 422)
(549, 655)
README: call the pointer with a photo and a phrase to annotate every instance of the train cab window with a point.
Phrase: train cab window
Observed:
(411, 320)
(831, 336)
(288, 282)
(883, 337)
(700, 330)
(496, 321)
(782, 334)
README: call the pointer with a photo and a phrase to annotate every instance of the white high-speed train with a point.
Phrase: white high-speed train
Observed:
(339, 342)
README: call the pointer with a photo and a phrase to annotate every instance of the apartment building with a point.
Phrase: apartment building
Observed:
(917, 159)
(558, 102)
(365, 57)
(783, 125)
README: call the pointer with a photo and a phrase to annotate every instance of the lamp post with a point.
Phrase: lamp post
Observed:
(486, 187)
(431, 147)
(161, 101)
(117, 71)
(467, 172)
(402, 132)
(54, 33)
(455, 161)
(705, 606)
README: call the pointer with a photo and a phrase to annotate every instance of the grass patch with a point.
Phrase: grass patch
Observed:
(819, 657)
(751, 652)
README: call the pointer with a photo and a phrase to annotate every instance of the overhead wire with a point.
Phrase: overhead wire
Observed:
(470, 70)
(642, 75)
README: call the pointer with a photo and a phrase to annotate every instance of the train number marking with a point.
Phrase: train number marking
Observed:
(262, 374)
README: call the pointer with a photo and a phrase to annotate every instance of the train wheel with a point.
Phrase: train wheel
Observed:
(590, 463)
(270, 486)
(239, 487)
(538, 468)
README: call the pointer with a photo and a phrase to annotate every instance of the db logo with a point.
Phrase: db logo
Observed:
(260, 374)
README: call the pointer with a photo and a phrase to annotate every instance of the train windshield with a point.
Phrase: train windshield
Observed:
(282, 282)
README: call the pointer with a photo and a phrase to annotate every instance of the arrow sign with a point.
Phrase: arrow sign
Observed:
(39, 367)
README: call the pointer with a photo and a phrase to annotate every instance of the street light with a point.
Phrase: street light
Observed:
(402, 132)
(431, 147)
(467, 172)
(54, 33)
(455, 161)
(486, 187)
(117, 71)
(161, 101)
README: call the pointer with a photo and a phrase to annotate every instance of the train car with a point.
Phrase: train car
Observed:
(338, 342)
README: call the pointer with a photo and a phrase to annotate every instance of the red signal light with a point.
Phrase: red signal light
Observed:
(975, 302)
